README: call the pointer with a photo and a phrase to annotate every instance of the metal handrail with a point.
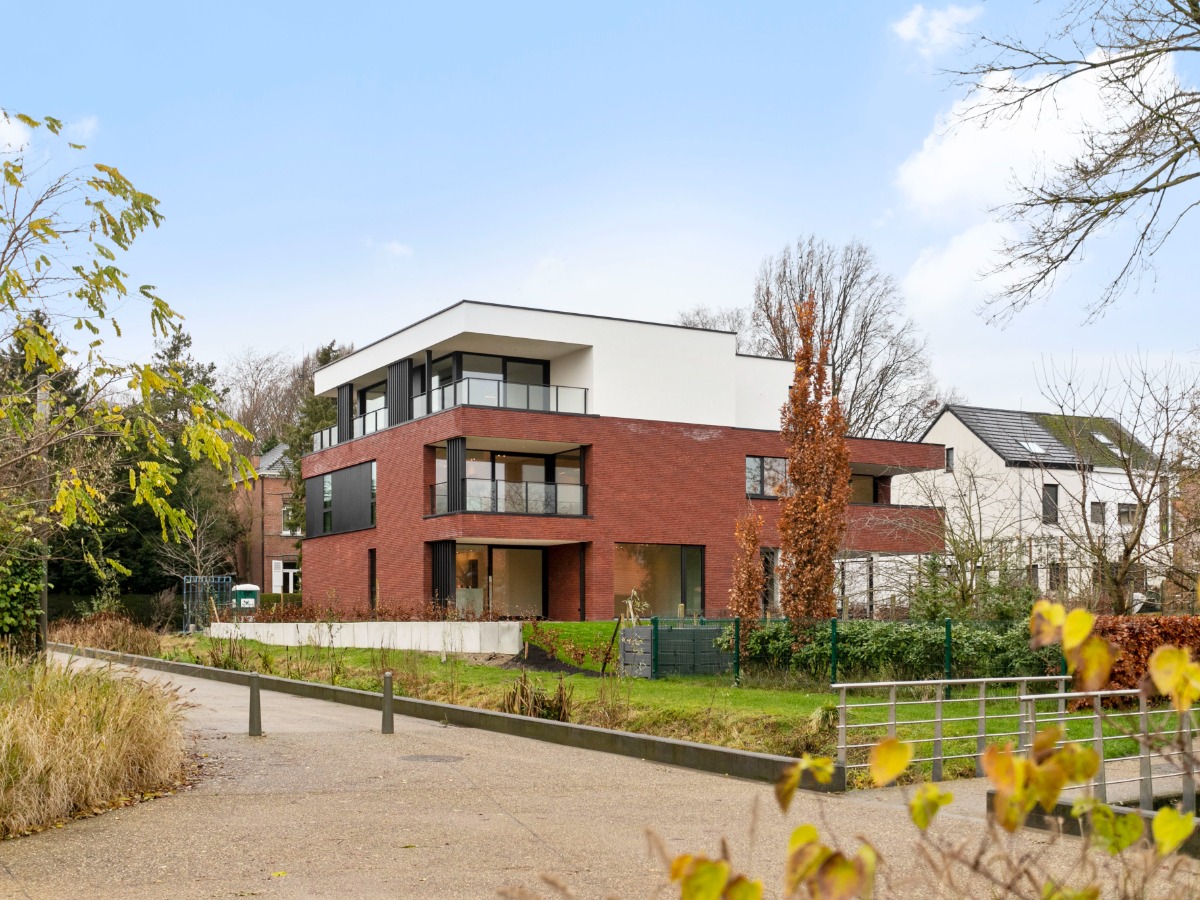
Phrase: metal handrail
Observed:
(370, 422)
(554, 500)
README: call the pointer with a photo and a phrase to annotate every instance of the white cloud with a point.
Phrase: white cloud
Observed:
(14, 135)
(83, 130)
(935, 30)
(395, 248)
(949, 275)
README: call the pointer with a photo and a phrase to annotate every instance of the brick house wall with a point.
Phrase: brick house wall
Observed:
(647, 482)
(261, 510)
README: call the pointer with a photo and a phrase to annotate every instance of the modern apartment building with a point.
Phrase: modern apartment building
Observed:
(525, 462)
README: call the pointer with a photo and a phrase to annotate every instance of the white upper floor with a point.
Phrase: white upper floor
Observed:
(630, 369)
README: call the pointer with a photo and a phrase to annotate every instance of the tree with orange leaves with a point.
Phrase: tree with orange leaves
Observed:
(745, 596)
(812, 517)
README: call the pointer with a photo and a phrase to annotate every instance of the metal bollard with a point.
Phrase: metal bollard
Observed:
(255, 707)
(389, 726)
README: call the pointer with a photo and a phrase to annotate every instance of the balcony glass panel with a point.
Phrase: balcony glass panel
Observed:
(569, 499)
(371, 422)
(534, 498)
(570, 399)
(326, 438)
(438, 503)
(481, 495)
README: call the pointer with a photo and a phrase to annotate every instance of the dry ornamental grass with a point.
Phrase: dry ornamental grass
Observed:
(80, 739)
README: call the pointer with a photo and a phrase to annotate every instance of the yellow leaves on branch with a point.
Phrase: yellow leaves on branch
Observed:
(701, 878)
(1089, 656)
(828, 874)
(819, 767)
(926, 801)
(1022, 783)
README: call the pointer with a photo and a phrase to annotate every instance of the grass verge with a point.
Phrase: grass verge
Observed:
(80, 740)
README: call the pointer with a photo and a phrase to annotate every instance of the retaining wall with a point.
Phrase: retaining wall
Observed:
(432, 637)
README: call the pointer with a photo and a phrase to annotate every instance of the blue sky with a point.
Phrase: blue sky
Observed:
(338, 175)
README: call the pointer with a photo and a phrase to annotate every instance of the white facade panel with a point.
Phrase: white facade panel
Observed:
(636, 370)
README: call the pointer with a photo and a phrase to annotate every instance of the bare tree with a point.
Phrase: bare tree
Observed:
(1126, 429)
(981, 529)
(722, 318)
(878, 362)
(216, 527)
(1134, 166)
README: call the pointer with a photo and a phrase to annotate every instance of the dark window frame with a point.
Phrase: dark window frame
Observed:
(949, 459)
(361, 404)
(1097, 512)
(761, 494)
(1126, 514)
(327, 503)
(1050, 504)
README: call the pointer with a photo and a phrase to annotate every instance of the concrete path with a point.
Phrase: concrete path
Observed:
(325, 806)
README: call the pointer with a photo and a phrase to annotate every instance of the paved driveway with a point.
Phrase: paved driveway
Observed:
(431, 811)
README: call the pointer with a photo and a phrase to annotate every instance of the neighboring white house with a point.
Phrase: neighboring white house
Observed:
(1050, 490)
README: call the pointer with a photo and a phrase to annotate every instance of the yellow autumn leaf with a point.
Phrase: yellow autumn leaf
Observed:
(1045, 623)
(926, 802)
(888, 759)
(1092, 662)
(1170, 829)
(1175, 675)
(705, 880)
(742, 888)
(1076, 627)
(785, 787)
(838, 878)
(1078, 763)
(1047, 782)
(1045, 740)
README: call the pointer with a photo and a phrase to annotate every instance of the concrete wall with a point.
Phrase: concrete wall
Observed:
(431, 637)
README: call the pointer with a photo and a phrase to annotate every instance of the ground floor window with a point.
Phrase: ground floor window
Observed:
(770, 564)
(664, 577)
(285, 576)
(508, 582)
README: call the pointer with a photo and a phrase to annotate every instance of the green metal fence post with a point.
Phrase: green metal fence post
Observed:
(946, 664)
(833, 650)
(653, 647)
(737, 649)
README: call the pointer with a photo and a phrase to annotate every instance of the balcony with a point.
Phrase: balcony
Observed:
(530, 498)
(326, 438)
(891, 528)
(503, 395)
(369, 423)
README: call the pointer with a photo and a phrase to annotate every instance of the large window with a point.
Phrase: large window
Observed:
(1097, 513)
(373, 472)
(372, 398)
(506, 582)
(862, 489)
(766, 476)
(662, 576)
(1126, 513)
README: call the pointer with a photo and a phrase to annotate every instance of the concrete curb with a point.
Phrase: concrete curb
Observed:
(703, 757)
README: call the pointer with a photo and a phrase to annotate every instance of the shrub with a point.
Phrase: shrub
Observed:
(20, 594)
(881, 651)
(72, 740)
(108, 631)
(527, 698)
(1137, 637)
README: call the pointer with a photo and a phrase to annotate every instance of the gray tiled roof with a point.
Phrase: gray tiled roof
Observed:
(272, 461)
(1004, 430)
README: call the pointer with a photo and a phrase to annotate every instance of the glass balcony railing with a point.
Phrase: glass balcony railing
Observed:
(486, 392)
(369, 423)
(502, 395)
(534, 498)
(326, 438)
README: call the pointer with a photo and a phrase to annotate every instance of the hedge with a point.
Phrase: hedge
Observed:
(1137, 637)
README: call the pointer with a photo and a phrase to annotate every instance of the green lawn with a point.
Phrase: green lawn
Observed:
(701, 708)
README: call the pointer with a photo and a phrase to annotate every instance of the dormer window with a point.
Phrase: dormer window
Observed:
(1033, 447)
(1104, 439)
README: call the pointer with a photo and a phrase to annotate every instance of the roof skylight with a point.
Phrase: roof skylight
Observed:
(1033, 447)
(1104, 439)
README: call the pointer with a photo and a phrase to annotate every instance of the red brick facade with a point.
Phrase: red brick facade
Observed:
(261, 511)
(647, 482)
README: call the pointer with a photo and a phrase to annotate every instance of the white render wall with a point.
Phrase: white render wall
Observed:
(431, 637)
(1006, 501)
(636, 370)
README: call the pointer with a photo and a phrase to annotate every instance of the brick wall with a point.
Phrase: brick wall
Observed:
(648, 482)
(261, 510)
